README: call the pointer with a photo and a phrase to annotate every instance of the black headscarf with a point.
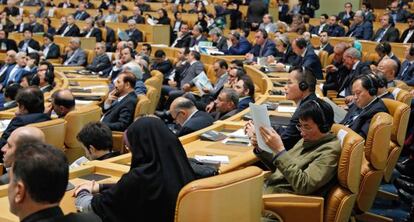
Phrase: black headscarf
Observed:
(159, 169)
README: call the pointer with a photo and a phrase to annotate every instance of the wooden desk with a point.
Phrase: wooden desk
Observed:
(115, 171)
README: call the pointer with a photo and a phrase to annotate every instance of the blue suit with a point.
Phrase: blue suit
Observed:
(362, 31)
(242, 48)
(311, 61)
(269, 48)
(244, 103)
(406, 73)
(20, 72)
(336, 31)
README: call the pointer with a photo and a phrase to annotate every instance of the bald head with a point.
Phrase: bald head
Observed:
(389, 68)
(63, 102)
(181, 109)
(20, 136)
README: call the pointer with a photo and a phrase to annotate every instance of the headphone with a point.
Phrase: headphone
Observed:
(236, 35)
(372, 84)
(303, 85)
(382, 82)
(324, 128)
(264, 33)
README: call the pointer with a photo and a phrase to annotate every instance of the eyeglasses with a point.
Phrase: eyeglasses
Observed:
(303, 128)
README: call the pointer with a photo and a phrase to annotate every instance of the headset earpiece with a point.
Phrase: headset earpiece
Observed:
(372, 88)
(303, 86)
(324, 128)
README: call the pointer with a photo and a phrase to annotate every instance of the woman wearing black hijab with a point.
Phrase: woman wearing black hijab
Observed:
(148, 192)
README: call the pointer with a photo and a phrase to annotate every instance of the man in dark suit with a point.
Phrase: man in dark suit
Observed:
(30, 110)
(34, 25)
(183, 39)
(110, 35)
(162, 64)
(307, 57)
(101, 60)
(10, 63)
(198, 36)
(323, 25)
(347, 14)
(407, 36)
(133, 32)
(49, 49)
(336, 71)
(238, 45)
(352, 61)
(7, 44)
(366, 105)
(44, 191)
(406, 73)
(219, 41)
(264, 46)
(398, 14)
(334, 29)
(255, 12)
(70, 28)
(11, 9)
(325, 45)
(244, 87)
(225, 104)
(81, 13)
(309, 7)
(137, 15)
(28, 41)
(66, 4)
(91, 31)
(387, 32)
(20, 25)
(186, 115)
(17, 72)
(360, 29)
(76, 56)
(119, 107)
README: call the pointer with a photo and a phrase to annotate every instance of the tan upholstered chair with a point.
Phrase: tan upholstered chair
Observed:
(340, 201)
(401, 95)
(143, 106)
(373, 164)
(118, 141)
(54, 131)
(76, 120)
(234, 196)
(400, 113)
(153, 96)
(323, 57)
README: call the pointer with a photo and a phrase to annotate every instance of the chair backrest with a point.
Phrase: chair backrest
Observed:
(153, 97)
(323, 57)
(374, 160)
(401, 95)
(143, 106)
(77, 119)
(341, 198)
(234, 196)
(400, 113)
(53, 130)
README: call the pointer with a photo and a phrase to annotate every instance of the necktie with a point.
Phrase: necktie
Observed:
(66, 30)
(381, 35)
(409, 34)
(405, 70)
(78, 16)
(3, 69)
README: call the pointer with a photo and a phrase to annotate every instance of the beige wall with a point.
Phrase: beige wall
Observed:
(330, 7)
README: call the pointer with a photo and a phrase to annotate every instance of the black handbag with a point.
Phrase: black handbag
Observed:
(203, 170)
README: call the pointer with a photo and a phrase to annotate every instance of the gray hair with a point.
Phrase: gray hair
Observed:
(20, 54)
(75, 40)
(215, 31)
(359, 13)
(231, 95)
(132, 22)
(353, 53)
(134, 69)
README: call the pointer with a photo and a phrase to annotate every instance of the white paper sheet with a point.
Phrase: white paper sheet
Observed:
(201, 81)
(212, 159)
(286, 109)
(260, 119)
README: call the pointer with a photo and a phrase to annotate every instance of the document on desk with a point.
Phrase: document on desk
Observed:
(214, 159)
(4, 124)
(260, 118)
(201, 81)
(286, 109)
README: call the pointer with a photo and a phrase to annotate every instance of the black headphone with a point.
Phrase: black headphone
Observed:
(303, 85)
(324, 128)
(411, 52)
(236, 35)
(372, 84)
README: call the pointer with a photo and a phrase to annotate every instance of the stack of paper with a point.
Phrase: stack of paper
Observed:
(212, 159)
(286, 109)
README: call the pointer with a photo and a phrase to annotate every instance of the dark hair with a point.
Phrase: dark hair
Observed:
(301, 43)
(12, 90)
(50, 73)
(129, 77)
(58, 100)
(305, 76)
(48, 21)
(383, 47)
(159, 53)
(148, 47)
(97, 134)
(32, 99)
(6, 33)
(196, 55)
(325, 15)
(368, 82)
(248, 84)
(237, 62)
(264, 33)
(231, 95)
(46, 175)
(222, 63)
(164, 12)
(320, 112)
(34, 56)
(175, 15)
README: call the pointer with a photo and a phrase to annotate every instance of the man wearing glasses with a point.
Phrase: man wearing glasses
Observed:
(101, 60)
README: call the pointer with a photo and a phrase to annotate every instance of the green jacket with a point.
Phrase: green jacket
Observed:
(307, 168)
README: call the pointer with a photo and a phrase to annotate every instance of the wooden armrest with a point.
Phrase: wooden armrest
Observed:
(1, 169)
(118, 141)
(288, 206)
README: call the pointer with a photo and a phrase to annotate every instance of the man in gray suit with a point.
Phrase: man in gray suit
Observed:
(186, 78)
(101, 60)
(24, 134)
(76, 56)
(219, 41)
